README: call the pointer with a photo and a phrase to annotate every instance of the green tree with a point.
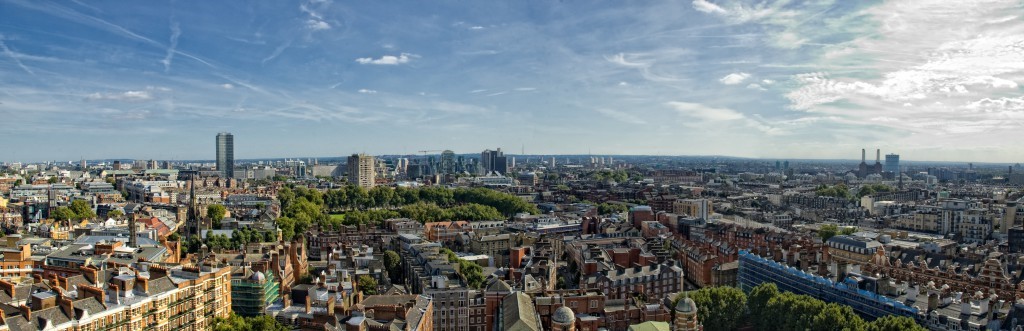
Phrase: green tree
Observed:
(267, 323)
(82, 209)
(287, 226)
(838, 191)
(115, 214)
(392, 263)
(174, 237)
(836, 317)
(848, 230)
(63, 214)
(367, 284)
(894, 323)
(720, 308)
(216, 213)
(611, 208)
(237, 323)
(52, 180)
(757, 303)
(827, 231)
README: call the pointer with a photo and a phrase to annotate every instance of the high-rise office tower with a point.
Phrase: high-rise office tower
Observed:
(226, 154)
(892, 163)
(493, 161)
(361, 170)
(447, 162)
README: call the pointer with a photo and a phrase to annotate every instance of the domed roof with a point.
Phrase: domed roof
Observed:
(563, 315)
(686, 305)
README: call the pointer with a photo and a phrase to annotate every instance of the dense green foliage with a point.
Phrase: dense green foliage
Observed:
(357, 198)
(82, 209)
(355, 205)
(720, 308)
(618, 176)
(472, 272)
(78, 210)
(611, 208)
(393, 265)
(237, 240)
(62, 214)
(367, 284)
(115, 214)
(837, 191)
(767, 304)
(827, 231)
(216, 213)
(238, 323)
(874, 188)
(892, 323)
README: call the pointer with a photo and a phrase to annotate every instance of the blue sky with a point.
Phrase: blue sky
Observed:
(931, 80)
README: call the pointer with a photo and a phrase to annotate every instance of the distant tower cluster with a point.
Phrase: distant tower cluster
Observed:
(226, 154)
(863, 170)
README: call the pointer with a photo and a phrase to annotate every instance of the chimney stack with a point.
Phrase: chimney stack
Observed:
(132, 237)
(878, 155)
(26, 312)
(863, 155)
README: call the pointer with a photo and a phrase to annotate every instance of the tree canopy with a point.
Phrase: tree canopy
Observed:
(803, 312)
(720, 308)
(367, 284)
(302, 207)
(239, 323)
(62, 214)
(837, 191)
(116, 214)
(392, 263)
(870, 189)
(216, 213)
(82, 209)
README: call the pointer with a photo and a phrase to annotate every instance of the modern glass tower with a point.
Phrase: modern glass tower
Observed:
(892, 163)
(226, 154)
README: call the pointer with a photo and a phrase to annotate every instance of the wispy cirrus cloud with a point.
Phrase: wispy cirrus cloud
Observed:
(134, 96)
(621, 116)
(402, 58)
(175, 33)
(734, 78)
(703, 112)
(14, 57)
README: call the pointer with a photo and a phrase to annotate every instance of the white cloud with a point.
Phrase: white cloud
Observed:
(388, 59)
(734, 78)
(621, 116)
(366, 91)
(767, 82)
(706, 7)
(123, 96)
(175, 33)
(227, 86)
(477, 27)
(756, 86)
(702, 112)
(317, 25)
(525, 89)
(620, 59)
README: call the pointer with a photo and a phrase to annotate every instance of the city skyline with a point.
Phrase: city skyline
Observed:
(775, 80)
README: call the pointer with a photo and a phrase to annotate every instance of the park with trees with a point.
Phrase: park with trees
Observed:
(353, 205)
